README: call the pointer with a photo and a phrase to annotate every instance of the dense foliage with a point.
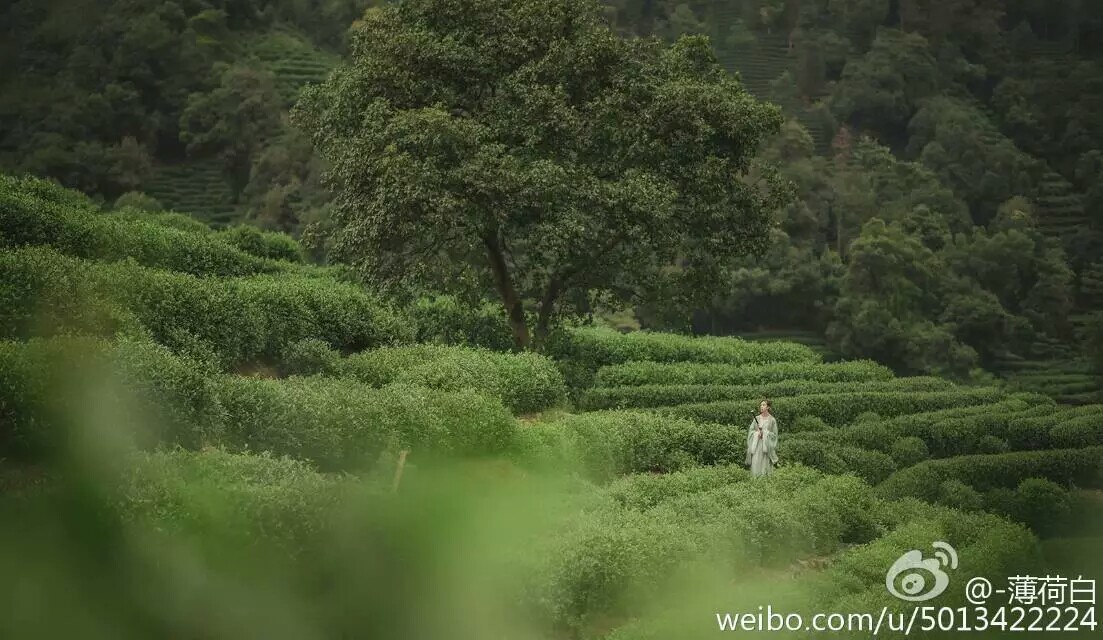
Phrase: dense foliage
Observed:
(970, 128)
(203, 434)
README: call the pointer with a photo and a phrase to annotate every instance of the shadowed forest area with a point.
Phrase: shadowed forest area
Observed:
(449, 318)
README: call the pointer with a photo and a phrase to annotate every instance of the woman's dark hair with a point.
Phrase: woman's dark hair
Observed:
(768, 403)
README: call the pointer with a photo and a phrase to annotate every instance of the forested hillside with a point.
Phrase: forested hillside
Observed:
(969, 129)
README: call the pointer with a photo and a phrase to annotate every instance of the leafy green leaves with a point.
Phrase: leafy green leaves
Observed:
(529, 139)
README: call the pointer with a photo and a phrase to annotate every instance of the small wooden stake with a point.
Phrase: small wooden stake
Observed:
(398, 470)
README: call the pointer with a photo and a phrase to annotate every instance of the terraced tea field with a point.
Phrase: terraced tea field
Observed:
(196, 414)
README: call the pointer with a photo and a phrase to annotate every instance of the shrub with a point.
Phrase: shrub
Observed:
(584, 350)
(1086, 431)
(658, 395)
(872, 417)
(171, 219)
(645, 490)
(46, 190)
(138, 200)
(986, 545)
(37, 399)
(81, 231)
(225, 498)
(1042, 505)
(244, 319)
(817, 455)
(378, 367)
(1045, 428)
(177, 396)
(909, 450)
(49, 388)
(615, 561)
(608, 444)
(446, 320)
(869, 435)
(837, 459)
(262, 244)
(963, 430)
(343, 424)
(991, 444)
(43, 293)
(525, 382)
(838, 408)
(804, 424)
(689, 373)
(984, 472)
(957, 494)
(309, 356)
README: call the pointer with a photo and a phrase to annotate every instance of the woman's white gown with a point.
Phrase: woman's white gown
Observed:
(762, 452)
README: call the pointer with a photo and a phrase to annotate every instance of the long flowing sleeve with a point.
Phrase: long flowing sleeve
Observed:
(770, 438)
(750, 442)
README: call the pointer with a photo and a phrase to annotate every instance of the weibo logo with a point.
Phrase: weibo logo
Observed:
(915, 578)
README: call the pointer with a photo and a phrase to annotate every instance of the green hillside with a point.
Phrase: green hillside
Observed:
(263, 448)
(454, 318)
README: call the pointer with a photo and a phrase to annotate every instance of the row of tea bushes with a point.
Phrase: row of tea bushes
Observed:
(228, 499)
(170, 219)
(711, 373)
(645, 490)
(838, 458)
(53, 390)
(270, 245)
(604, 560)
(623, 562)
(986, 545)
(606, 444)
(666, 395)
(341, 424)
(1081, 467)
(582, 351)
(853, 581)
(836, 408)
(239, 320)
(610, 560)
(1014, 424)
(29, 219)
(525, 382)
(446, 319)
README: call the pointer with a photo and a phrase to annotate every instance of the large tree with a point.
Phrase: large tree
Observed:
(528, 140)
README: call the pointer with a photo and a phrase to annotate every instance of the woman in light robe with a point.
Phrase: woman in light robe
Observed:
(762, 441)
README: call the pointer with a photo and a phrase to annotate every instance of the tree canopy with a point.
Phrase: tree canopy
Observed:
(532, 141)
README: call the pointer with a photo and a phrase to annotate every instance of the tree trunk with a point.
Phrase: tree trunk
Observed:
(547, 308)
(515, 311)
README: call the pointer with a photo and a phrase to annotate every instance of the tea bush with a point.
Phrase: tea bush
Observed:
(342, 424)
(81, 231)
(664, 395)
(582, 351)
(837, 408)
(983, 472)
(244, 319)
(48, 388)
(262, 244)
(445, 319)
(645, 490)
(221, 498)
(525, 382)
(690, 373)
(608, 444)
(309, 356)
